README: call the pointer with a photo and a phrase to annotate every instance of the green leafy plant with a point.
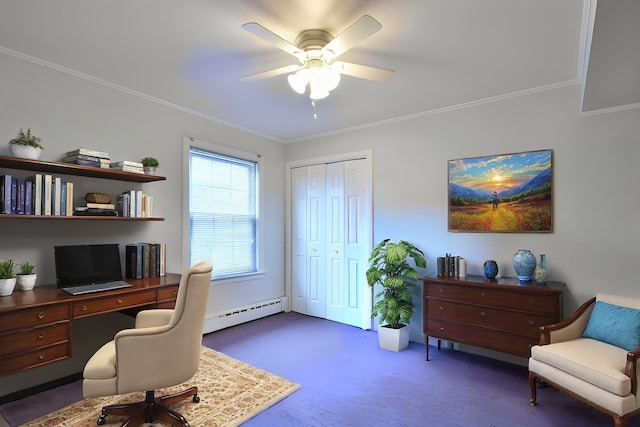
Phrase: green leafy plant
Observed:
(6, 269)
(27, 139)
(150, 162)
(389, 266)
(26, 268)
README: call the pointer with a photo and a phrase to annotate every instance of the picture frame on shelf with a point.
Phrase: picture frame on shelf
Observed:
(503, 193)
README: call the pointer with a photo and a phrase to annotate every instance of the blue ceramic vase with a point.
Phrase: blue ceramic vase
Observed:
(490, 269)
(524, 262)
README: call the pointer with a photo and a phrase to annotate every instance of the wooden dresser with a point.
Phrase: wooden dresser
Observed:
(503, 315)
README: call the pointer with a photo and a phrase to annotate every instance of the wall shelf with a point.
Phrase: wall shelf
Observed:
(9, 162)
(73, 169)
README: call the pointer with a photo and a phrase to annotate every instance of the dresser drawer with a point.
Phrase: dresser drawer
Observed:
(531, 302)
(523, 323)
(24, 319)
(30, 339)
(112, 303)
(517, 345)
(35, 358)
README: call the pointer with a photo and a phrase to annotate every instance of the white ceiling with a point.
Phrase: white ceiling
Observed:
(446, 53)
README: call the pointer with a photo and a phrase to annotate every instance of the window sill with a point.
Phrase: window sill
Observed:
(239, 278)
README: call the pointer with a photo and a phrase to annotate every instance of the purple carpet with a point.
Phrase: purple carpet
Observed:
(348, 381)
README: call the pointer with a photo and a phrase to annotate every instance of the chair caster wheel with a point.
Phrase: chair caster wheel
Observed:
(101, 420)
(196, 399)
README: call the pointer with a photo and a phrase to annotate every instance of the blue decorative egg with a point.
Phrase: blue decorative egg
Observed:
(490, 269)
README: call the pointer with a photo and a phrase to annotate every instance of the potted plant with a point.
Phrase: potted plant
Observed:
(26, 276)
(389, 267)
(149, 165)
(7, 278)
(26, 145)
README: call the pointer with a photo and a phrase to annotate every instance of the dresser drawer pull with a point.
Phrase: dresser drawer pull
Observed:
(40, 316)
(532, 300)
(442, 328)
(84, 308)
(442, 307)
(483, 293)
(441, 290)
(119, 300)
(482, 313)
(531, 322)
(40, 356)
(41, 335)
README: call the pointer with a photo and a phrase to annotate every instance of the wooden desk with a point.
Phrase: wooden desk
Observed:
(503, 315)
(35, 326)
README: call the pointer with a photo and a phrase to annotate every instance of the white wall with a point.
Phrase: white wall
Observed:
(69, 112)
(593, 246)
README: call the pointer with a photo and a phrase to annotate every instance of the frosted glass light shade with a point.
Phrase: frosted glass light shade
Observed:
(299, 80)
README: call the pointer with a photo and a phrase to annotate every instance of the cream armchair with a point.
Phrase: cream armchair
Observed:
(593, 356)
(162, 350)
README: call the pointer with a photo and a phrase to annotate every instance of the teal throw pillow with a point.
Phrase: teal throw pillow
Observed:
(615, 325)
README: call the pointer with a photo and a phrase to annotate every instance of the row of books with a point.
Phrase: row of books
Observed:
(40, 194)
(145, 260)
(134, 204)
(451, 266)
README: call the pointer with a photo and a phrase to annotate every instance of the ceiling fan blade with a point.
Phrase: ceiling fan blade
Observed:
(271, 37)
(363, 28)
(271, 73)
(365, 71)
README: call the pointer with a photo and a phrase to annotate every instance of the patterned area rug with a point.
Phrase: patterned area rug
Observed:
(231, 392)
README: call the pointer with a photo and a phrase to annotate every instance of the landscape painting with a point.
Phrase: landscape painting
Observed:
(509, 193)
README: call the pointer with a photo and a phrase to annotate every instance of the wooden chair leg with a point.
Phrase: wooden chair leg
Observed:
(533, 388)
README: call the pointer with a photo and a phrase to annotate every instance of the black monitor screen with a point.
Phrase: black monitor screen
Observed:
(84, 264)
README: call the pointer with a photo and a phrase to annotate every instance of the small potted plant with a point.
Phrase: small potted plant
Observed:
(26, 145)
(149, 164)
(390, 269)
(26, 276)
(7, 278)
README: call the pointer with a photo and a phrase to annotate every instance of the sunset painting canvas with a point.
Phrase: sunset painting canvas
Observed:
(509, 193)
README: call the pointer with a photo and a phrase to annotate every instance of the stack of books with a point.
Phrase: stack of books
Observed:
(88, 157)
(96, 209)
(145, 260)
(134, 204)
(127, 166)
(40, 194)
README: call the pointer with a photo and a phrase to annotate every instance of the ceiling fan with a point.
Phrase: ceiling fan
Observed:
(316, 51)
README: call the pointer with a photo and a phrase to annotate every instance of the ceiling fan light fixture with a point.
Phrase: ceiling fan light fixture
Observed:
(298, 81)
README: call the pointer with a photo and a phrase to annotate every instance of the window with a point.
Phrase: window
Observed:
(223, 211)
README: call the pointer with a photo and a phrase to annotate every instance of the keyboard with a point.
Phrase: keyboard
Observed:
(96, 287)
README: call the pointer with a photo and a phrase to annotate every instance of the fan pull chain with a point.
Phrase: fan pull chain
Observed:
(315, 115)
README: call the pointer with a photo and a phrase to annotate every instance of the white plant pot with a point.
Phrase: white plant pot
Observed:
(7, 286)
(26, 151)
(26, 282)
(393, 339)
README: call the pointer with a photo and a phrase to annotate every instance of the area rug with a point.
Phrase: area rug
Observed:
(231, 392)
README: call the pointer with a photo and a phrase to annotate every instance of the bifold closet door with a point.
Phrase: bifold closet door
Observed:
(330, 207)
(309, 240)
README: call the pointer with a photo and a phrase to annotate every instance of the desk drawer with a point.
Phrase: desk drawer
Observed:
(35, 358)
(30, 339)
(90, 307)
(168, 294)
(24, 319)
(489, 317)
(531, 302)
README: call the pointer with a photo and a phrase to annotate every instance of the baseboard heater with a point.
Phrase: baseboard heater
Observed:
(247, 313)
